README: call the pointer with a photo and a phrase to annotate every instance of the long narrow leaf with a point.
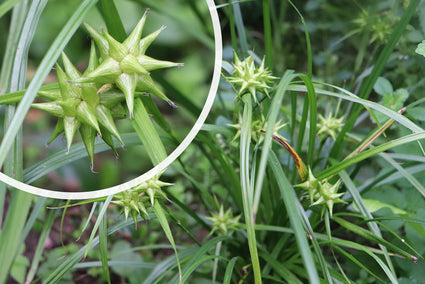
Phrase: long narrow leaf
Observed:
(273, 113)
(368, 153)
(289, 196)
(102, 214)
(166, 228)
(103, 247)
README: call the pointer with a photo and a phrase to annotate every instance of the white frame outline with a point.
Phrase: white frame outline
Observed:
(167, 161)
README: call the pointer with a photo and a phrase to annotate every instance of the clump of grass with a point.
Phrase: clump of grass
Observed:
(307, 176)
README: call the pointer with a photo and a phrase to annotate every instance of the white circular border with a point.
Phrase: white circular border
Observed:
(167, 161)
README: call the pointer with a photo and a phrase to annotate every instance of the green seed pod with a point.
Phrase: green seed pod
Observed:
(125, 64)
(224, 222)
(50, 107)
(87, 114)
(135, 200)
(105, 119)
(147, 40)
(59, 129)
(51, 94)
(249, 78)
(79, 106)
(71, 125)
(322, 192)
(152, 64)
(100, 41)
(107, 138)
(88, 135)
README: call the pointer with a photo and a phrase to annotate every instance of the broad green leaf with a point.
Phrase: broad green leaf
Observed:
(421, 48)
(383, 86)
(374, 205)
(417, 113)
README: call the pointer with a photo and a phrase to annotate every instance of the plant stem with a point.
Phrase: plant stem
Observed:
(268, 34)
(247, 189)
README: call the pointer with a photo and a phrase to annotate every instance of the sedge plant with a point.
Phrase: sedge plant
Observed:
(308, 170)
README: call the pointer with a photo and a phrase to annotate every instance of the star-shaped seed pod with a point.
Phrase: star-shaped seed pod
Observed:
(135, 200)
(126, 65)
(224, 222)
(249, 78)
(322, 191)
(80, 107)
(329, 126)
(258, 127)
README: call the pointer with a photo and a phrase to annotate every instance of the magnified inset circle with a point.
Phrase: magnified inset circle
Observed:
(163, 164)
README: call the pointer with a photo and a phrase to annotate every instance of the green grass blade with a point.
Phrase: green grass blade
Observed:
(89, 217)
(413, 181)
(16, 97)
(240, 27)
(367, 250)
(166, 228)
(302, 126)
(112, 20)
(202, 251)
(102, 214)
(280, 269)
(353, 98)
(267, 142)
(368, 153)
(161, 268)
(103, 247)
(232, 26)
(357, 262)
(289, 196)
(247, 186)
(268, 43)
(33, 217)
(144, 127)
(186, 209)
(38, 254)
(174, 218)
(365, 212)
(229, 271)
(314, 239)
(7, 5)
(372, 237)
(313, 117)
(197, 263)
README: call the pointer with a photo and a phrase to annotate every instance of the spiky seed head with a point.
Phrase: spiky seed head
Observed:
(249, 78)
(125, 64)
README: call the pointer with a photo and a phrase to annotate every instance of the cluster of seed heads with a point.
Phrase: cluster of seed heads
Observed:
(90, 101)
(322, 192)
(135, 201)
